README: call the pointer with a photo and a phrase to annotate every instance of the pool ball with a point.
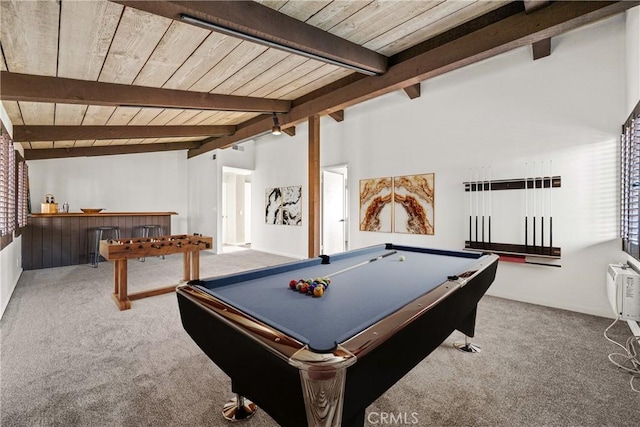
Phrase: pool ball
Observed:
(401, 258)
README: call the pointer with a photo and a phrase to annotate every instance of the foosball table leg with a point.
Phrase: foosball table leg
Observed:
(120, 279)
(195, 265)
(187, 267)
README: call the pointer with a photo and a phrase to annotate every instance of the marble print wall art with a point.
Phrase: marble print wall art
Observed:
(273, 206)
(375, 204)
(283, 205)
(413, 204)
(291, 205)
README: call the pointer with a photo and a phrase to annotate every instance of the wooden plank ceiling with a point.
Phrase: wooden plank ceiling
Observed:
(102, 71)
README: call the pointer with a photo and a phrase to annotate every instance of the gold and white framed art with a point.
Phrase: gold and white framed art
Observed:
(376, 197)
(413, 204)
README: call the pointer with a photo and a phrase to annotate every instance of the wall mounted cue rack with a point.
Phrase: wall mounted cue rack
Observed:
(513, 184)
(531, 247)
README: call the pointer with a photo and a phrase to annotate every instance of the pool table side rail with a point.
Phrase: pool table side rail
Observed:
(443, 252)
(233, 278)
(379, 332)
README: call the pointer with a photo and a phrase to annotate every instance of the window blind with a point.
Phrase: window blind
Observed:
(630, 184)
(23, 179)
(14, 180)
(5, 142)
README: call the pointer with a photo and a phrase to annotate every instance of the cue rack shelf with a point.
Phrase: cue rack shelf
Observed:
(518, 250)
(514, 184)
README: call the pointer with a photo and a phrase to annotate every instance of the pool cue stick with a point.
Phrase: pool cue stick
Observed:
(490, 202)
(362, 263)
(526, 208)
(470, 205)
(483, 177)
(534, 206)
(477, 205)
(550, 209)
(542, 208)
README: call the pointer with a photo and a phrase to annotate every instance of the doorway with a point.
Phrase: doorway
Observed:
(334, 210)
(236, 209)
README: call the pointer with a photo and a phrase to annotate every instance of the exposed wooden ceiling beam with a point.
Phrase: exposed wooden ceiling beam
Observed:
(107, 150)
(261, 24)
(542, 48)
(512, 32)
(413, 91)
(26, 87)
(65, 133)
(533, 5)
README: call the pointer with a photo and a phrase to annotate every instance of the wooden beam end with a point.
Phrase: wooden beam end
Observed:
(541, 48)
(338, 116)
(413, 91)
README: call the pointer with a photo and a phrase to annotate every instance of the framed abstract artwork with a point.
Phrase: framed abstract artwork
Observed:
(376, 204)
(283, 205)
(291, 205)
(402, 204)
(413, 204)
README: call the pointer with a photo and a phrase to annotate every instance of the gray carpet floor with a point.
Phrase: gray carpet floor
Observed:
(69, 357)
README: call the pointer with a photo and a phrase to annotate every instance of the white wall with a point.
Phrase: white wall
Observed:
(10, 270)
(501, 112)
(633, 57)
(11, 255)
(205, 183)
(280, 161)
(146, 182)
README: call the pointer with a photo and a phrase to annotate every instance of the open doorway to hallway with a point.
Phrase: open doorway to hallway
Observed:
(334, 209)
(236, 209)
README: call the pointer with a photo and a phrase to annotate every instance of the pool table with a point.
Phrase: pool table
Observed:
(320, 361)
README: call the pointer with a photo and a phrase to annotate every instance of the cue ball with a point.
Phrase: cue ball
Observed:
(401, 258)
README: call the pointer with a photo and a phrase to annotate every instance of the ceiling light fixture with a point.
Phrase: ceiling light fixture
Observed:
(275, 130)
(249, 37)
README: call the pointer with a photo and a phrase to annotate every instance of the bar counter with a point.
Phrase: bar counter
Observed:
(55, 240)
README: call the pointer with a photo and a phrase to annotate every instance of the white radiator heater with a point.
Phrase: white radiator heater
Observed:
(623, 290)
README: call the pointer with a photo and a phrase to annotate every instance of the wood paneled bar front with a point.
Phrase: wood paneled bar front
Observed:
(55, 240)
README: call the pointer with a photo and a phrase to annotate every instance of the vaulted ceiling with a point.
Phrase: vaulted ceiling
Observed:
(102, 77)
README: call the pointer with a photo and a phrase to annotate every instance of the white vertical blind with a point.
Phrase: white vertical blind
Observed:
(23, 179)
(630, 184)
(13, 188)
(6, 151)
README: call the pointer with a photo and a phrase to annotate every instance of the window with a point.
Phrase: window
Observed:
(13, 190)
(23, 185)
(7, 174)
(630, 184)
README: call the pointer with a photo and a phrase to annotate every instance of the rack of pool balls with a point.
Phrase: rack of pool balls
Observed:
(314, 287)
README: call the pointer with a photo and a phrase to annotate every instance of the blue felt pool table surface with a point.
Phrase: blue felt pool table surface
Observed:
(355, 299)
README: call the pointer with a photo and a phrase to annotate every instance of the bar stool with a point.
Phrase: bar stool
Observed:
(101, 233)
(148, 230)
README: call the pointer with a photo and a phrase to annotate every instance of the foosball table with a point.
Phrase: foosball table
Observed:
(121, 250)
